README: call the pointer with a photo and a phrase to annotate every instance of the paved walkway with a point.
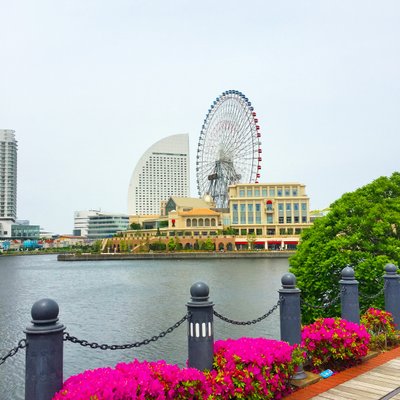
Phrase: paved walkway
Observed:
(375, 379)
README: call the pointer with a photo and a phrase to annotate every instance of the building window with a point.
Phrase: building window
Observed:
(257, 192)
(258, 213)
(296, 219)
(281, 220)
(288, 220)
(294, 192)
(241, 192)
(235, 217)
(270, 231)
(188, 223)
(280, 207)
(207, 222)
(249, 192)
(279, 192)
(287, 192)
(250, 215)
(264, 192)
(201, 222)
(270, 219)
(213, 223)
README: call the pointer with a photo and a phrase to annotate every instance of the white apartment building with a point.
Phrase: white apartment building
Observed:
(161, 172)
(8, 181)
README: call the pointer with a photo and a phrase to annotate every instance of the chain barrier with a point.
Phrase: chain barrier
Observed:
(254, 321)
(94, 345)
(21, 345)
(326, 305)
(374, 296)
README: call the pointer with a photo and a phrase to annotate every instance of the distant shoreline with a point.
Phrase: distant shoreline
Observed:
(175, 255)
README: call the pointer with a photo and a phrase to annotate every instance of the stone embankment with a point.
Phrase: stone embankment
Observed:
(174, 255)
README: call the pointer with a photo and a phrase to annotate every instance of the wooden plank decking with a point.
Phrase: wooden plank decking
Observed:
(373, 385)
(378, 378)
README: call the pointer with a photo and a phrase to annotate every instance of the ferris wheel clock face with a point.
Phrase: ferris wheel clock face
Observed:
(229, 149)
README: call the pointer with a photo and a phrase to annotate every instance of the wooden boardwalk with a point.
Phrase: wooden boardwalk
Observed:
(382, 382)
(376, 379)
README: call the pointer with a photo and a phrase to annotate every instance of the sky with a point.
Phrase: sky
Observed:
(89, 85)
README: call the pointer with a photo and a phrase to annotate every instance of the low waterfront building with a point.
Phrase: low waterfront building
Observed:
(23, 230)
(259, 216)
(272, 216)
(105, 225)
(81, 221)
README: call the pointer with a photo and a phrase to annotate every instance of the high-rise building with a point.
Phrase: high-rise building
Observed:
(161, 172)
(8, 181)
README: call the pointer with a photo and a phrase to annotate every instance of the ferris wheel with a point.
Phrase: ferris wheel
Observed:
(229, 149)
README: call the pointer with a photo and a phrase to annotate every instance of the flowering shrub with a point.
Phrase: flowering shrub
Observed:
(381, 327)
(334, 343)
(250, 368)
(244, 369)
(136, 380)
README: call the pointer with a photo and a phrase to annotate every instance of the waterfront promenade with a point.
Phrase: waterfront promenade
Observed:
(378, 378)
(178, 255)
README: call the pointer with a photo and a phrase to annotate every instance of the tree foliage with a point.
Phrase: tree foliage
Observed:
(135, 226)
(362, 229)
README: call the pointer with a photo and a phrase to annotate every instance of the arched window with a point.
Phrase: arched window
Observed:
(207, 222)
(188, 222)
(212, 221)
(194, 222)
(201, 222)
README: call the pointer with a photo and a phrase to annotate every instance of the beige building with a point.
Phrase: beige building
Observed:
(275, 213)
(260, 216)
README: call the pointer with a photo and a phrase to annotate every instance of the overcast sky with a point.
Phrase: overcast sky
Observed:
(90, 85)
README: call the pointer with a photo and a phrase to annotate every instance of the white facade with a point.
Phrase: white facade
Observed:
(81, 221)
(8, 181)
(162, 172)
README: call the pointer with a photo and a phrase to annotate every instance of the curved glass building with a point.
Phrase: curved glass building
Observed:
(161, 172)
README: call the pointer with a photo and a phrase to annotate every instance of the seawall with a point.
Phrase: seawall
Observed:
(175, 255)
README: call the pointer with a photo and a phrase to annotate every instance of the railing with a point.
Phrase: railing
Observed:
(45, 337)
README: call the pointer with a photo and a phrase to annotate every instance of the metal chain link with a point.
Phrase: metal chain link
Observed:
(94, 345)
(21, 345)
(326, 305)
(254, 321)
(374, 296)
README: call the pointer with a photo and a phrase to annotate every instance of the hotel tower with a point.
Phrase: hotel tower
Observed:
(161, 172)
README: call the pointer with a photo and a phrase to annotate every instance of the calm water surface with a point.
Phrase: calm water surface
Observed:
(119, 302)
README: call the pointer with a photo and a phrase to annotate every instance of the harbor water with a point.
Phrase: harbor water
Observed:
(121, 302)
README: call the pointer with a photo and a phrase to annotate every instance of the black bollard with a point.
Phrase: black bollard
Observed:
(392, 292)
(200, 328)
(349, 296)
(290, 315)
(44, 352)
